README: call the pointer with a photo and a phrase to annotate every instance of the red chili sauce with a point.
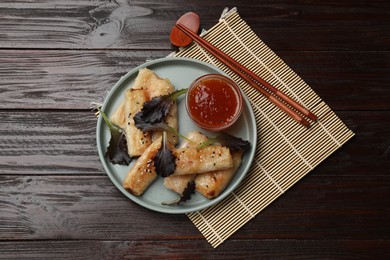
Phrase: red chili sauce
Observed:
(213, 103)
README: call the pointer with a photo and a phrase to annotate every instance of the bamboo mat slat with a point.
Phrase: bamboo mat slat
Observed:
(286, 151)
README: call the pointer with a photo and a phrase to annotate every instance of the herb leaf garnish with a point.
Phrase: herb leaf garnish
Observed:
(228, 140)
(155, 110)
(165, 161)
(117, 148)
(146, 127)
(188, 191)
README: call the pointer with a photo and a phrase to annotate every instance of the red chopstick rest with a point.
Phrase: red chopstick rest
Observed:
(191, 21)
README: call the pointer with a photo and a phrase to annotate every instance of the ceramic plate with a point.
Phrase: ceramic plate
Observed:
(181, 72)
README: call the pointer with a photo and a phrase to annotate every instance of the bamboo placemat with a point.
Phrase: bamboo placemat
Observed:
(286, 151)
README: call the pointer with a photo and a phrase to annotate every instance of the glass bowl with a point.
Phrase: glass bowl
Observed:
(214, 102)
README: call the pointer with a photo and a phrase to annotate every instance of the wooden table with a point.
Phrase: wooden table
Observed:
(56, 200)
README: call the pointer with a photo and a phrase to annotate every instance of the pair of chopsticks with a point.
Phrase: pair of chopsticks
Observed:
(284, 102)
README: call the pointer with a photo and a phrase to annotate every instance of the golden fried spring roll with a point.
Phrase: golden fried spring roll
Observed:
(137, 141)
(211, 184)
(118, 118)
(155, 86)
(171, 120)
(142, 173)
(210, 158)
(152, 84)
(180, 182)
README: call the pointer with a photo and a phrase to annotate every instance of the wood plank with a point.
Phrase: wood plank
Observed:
(368, 152)
(63, 79)
(84, 208)
(327, 207)
(55, 142)
(42, 79)
(78, 207)
(48, 143)
(313, 25)
(178, 249)
(345, 80)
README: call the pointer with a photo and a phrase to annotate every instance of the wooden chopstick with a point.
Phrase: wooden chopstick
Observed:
(264, 88)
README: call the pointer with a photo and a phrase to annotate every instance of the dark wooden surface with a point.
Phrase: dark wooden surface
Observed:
(55, 199)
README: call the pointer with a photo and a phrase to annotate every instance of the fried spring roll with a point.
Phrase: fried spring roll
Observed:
(210, 158)
(155, 86)
(152, 84)
(211, 184)
(142, 173)
(118, 118)
(137, 141)
(180, 182)
(171, 120)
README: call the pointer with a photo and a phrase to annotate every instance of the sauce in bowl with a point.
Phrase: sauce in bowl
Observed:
(214, 102)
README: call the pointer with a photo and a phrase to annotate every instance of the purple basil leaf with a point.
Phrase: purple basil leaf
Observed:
(117, 149)
(188, 191)
(155, 110)
(228, 140)
(234, 143)
(165, 161)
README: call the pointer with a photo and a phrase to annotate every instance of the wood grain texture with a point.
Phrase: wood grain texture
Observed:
(90, 208)
(308, 25)
(63, 79)
(79, 208)
(345, 80)
(48, 143)
(178, 249)
(36, 79)
(55, 142)
(367, 150)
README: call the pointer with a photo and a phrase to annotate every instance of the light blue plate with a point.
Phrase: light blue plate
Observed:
(181, 72)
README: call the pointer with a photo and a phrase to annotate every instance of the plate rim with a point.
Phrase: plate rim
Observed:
(172, 210)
